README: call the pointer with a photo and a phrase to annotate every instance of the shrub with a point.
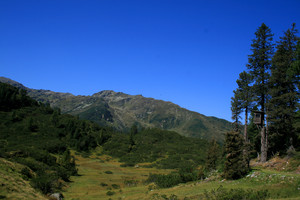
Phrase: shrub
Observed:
(26, 173)
(110, 193)
(63, 173)
(108, 172)
(103, 184)
(115, 186)
(165, 181)
(44, 183)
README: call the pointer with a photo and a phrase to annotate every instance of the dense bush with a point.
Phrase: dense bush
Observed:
(110, 193)
(184, 175)
(26, 174)
(44, 183)
(165, 181)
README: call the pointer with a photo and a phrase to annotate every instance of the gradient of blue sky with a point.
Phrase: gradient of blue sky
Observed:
(188, 52)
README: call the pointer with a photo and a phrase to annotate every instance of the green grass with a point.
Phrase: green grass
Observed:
(12, 183)
(281, 185)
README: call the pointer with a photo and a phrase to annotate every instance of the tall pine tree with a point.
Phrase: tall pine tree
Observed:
(245, 96)
(284, 98)
(259, 67)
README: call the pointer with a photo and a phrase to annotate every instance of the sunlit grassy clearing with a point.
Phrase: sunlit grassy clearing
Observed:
(92, 171)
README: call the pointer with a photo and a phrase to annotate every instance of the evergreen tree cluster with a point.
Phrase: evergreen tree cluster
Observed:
(271, 86)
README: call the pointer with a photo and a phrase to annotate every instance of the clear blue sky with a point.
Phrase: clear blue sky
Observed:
(189, 52)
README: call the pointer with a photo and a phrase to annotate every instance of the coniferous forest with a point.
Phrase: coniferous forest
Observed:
(44, 151)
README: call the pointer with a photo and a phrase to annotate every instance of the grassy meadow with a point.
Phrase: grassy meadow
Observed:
(101, 177)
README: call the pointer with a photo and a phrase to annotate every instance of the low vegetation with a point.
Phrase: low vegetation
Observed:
(134, 183)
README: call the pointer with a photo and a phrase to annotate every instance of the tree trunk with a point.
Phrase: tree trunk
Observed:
(263, 148)
(246, 124)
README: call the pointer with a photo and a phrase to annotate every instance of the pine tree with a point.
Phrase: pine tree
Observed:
(246, 96)
(235, 164)
(284, 98)
(259, 67)
(294, 71)
(236, 110)
(212, 155)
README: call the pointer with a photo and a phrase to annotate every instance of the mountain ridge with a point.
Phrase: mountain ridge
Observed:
(120, 110)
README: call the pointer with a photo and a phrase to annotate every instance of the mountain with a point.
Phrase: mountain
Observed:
(109, 108)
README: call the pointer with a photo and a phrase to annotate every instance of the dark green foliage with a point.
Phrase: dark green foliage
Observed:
(260, 63)
(188, 173)
(212, 156)
(133, 132)
(44, 182)
(172, 149)
(103, 184)
(284, 97)
(236, 165)
(68, 165)
(253, 136)
(115, 186)
(30, 131)
(26, 173)
(259, 67)
(165, 181)
(108, 172)
(235, 194)
(294, 71)
(183, 175)
(13, 98)
(31, 125)
(110, 193)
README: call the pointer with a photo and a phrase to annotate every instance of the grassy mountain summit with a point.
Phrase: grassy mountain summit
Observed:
(121, 111)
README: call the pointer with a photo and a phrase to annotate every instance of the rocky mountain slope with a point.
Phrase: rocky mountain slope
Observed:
(121, 111)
